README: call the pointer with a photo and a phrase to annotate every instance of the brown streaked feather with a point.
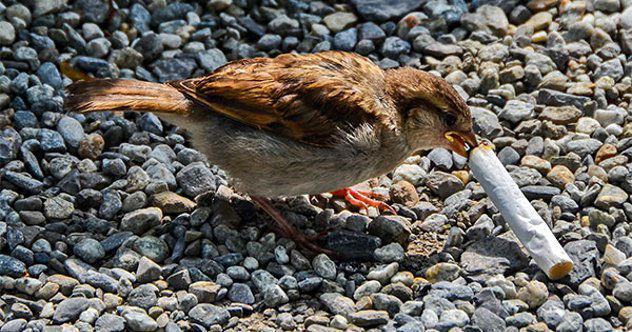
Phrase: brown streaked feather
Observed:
(411, 86)
(125, 95)
(304, 97)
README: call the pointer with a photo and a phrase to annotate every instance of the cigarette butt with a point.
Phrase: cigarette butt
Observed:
(520, 215)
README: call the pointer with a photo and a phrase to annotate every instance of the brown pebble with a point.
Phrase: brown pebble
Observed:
(91, 146)
(606, 151)
(170, 202)
(464, 176)
(403, 192)
(540, 5)
(560, 175)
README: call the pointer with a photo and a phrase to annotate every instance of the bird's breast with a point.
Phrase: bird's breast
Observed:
(263, 164)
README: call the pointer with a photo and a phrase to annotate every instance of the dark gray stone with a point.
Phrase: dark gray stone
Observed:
(384, 10)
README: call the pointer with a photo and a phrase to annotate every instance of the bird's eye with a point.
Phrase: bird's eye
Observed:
(449, 119)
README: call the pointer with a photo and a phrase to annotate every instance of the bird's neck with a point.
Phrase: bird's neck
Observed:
(395, 145)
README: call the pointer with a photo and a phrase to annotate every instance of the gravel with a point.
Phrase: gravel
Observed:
(113, 222)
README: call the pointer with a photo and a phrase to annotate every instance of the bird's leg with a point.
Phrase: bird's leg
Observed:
(287, 229)
(363, 199)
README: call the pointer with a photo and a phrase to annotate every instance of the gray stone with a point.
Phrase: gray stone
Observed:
(7, 33)
(142, 220)
(516, 111)
(383, 273)
(610, 196)
(209, 315)
(337, 304)
(147, 270)
(274, 296)
(173, 69)
(139, 321)
(494, 255)
(443, 184)
(384, 10)
(346, 40)
(324, 267)
(369, 318)
(241, 293)
(205, 291)
(14, 325)
(441, 158)
(623, 291)
(58, 208)
(597, 325)
(211, 59)
(89, 250)
(69, 309)
(488, 321)
(339, 21)
(486, 122)
(392, 252)
(391, 228)
(584, 255)
(154, 248)
(110, 323)
(196, 179)
(393, 47)
(143, 296)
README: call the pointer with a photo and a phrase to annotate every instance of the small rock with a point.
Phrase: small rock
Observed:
(172, 203)
(391, 228)
(534, 294)
(339, 21)
(69, 309)
(403, 192)
(369, 318)
(89, 250)
(610, 196)
(241, 293)
(140, 221)
(338, 304)
(147, 270)
(139, 321)
(443, 272)
(324, 267)
(205, 291)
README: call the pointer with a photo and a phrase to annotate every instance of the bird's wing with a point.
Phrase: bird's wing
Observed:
(308, 98)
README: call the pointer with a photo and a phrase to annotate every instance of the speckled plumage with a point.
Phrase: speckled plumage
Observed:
(296, 124)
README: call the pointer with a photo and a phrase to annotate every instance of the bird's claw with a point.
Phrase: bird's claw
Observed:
(363, 199)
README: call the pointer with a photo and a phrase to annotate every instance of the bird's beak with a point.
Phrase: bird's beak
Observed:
(461, 143)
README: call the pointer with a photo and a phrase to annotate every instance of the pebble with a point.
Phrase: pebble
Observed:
(391, 228)
(369, 318)
(89, 250)
(111, 323)
(139, 321)
(338, 304)
(140, 221)
(69, 309)
(535, 293)
(7, 33)
(109, 200)
(339, 21)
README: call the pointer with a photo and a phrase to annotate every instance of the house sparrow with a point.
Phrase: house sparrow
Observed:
(298, 124)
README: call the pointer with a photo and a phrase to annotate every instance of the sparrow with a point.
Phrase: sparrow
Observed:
(298, 123)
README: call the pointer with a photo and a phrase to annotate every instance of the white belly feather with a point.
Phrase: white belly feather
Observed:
(268, 165)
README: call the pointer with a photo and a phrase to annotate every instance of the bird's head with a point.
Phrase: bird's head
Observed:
(433, 113)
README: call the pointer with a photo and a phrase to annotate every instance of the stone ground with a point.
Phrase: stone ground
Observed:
(100, 230)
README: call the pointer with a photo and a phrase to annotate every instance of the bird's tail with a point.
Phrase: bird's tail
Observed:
(125, 95)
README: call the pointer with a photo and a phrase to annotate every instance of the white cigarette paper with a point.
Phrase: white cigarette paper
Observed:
(520, 215)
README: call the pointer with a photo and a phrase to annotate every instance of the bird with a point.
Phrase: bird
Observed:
(298, 124)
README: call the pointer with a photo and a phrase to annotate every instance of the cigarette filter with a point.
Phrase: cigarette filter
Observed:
(520, 215)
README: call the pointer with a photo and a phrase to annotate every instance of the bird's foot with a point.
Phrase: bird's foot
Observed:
(286, 229)
(363, 199)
